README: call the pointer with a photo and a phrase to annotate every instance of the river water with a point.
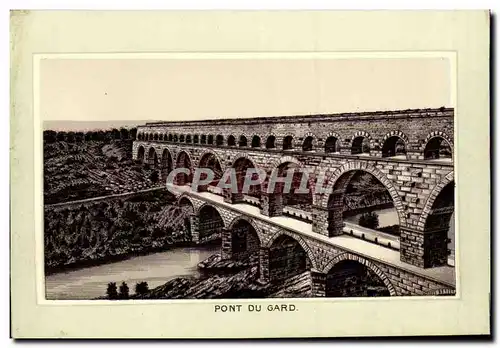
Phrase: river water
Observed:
(156, 269)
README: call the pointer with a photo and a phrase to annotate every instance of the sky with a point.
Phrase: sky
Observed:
(128, 91)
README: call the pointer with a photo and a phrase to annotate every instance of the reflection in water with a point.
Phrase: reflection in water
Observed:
(155, 269)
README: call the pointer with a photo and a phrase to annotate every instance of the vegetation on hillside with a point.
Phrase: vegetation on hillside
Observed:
(103, 230)
(81, 165)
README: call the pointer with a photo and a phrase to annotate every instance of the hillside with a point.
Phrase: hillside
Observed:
(85, 169)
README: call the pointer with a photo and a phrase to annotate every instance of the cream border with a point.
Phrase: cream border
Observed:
(417, 32)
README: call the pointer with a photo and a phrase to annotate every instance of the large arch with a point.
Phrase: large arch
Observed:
(183, 160)
(210, 223)
(241, 165)
(448, 178)
(364, 262)
(140, 154)
(245, 240)
(167, 164)
(310, 254)
(333, 199)
(288, 256)
(152, 157)
(212, 161)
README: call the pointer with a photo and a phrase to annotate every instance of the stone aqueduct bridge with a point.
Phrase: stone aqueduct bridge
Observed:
(409, 152)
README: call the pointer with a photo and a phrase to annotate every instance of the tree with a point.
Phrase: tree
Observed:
(369, 220)
(111, 291)
(141, 288)
(49, 136)
(79, 136)
(70, 137)
(124, 291)
(61, 136)
(124, 133)
(116, 133)
(133, 133)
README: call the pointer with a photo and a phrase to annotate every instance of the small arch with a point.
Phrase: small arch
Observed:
(203, 139)
(181, 138)
(307, 145)
(161, 137)
(256, 141)
(243, 141)
(370, 265)
(394, 146)
(155, 137)
(332, 145)
(231, 141)
(170, 137)
(271, 142)
(360, 144)
(188, 138)
(438, 147)
(196, 139)
(219, 140)
(288, 142)
(176, 138)
(140, 154)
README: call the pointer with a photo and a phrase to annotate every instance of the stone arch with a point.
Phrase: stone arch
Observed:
(242, 141)
(152, 157)
(250, 221)
(196, 139)
(298, 239)
(441, 292)
(216, 155)
(219, 140)
(432, 197)
(370, 265)
(285, 159)
(210, 139)
(178, 154)
(204, 205)
(256, 141)
(363, 166)
(288, 142)
(440, 134)
(271, 141)
(396, 133)
(364, 135)
(188, 138)
(389, 140)
(309, 142)
(185, 198)
(141, 154)
(231, 140)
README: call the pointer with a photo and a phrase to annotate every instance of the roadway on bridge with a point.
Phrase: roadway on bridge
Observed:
(445, 274)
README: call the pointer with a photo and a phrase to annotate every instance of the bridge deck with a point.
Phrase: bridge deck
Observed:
(445, 274)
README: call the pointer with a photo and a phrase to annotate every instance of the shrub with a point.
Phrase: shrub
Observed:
(369, 220)
(141, 288)
(112, 291)
(124, 291)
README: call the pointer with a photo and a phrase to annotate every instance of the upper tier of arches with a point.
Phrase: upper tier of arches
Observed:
(436, 146)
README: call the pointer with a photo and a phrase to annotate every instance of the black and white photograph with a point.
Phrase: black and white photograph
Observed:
(160, 184)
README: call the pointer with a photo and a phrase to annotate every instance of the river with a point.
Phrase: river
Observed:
(155, 269)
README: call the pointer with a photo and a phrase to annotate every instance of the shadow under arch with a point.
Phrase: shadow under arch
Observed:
(364, 262)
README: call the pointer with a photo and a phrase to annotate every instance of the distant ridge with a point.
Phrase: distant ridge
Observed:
(91, 125)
